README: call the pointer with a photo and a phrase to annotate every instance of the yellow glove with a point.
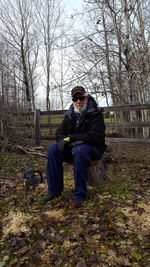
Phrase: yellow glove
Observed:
(62, 143)
(67, 139)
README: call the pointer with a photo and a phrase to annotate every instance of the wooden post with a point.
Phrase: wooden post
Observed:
(37, 128)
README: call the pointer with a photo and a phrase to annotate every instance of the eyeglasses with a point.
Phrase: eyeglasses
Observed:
(81, 98)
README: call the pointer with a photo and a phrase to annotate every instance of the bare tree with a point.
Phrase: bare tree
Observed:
(111, 44)
(49, 24)
(18, 31)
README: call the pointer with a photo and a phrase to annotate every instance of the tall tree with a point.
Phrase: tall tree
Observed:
(111, 48)
(49, 24)
(18, 31)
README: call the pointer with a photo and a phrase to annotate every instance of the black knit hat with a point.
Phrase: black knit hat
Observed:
(77, 90)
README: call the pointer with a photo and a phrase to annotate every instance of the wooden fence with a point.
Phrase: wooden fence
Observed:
(128, 123)
(130, 130)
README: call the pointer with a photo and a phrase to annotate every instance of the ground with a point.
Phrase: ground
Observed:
(111, 229)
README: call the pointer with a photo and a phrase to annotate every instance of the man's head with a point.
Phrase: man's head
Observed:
(79, 98)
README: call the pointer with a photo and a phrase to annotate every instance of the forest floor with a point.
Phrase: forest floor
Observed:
(111, 229)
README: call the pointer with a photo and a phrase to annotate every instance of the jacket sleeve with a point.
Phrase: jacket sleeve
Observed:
(61, 131)
(94, 133)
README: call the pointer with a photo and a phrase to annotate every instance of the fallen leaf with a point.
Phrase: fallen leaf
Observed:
(81, 263)
(23, 250)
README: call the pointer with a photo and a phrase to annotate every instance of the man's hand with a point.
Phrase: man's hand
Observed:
(64, 142)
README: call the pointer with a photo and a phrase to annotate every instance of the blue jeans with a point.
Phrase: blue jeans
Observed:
(81, 156)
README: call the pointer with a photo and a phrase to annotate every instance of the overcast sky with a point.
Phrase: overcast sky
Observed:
(72, 4)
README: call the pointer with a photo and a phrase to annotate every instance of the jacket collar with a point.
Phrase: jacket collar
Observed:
(91, 107)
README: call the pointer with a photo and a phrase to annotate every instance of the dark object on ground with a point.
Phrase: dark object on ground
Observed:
(32, 178)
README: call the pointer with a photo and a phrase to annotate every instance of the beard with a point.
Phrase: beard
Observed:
(80, 110)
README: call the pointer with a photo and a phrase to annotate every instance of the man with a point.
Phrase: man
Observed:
(81, 140)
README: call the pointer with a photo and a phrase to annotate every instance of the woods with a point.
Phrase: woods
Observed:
(43, 52)
(46, 50)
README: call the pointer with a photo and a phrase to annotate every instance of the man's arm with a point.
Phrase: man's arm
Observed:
(95, 133)
(61, 131)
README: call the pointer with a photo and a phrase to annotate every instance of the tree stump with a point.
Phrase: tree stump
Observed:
(97, 172)
(97, 169)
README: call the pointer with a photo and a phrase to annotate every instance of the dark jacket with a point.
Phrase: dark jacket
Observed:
(89, 130)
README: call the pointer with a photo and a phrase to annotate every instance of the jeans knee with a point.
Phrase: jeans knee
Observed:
(52, 148)
(80, 150)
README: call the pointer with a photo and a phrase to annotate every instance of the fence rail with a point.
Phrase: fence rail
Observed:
(133, 125)
(104, 109)
(41, 125)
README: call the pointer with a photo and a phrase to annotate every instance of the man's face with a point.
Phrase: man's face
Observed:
(79, 101)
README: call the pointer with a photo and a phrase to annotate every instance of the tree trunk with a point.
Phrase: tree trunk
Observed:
(25, 75)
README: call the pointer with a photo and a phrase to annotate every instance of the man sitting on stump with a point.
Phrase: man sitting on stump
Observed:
(80, 140)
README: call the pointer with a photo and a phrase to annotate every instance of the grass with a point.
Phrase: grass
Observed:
(53, 120)
(59, 120)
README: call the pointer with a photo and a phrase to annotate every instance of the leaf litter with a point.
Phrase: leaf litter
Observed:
(111, 229)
